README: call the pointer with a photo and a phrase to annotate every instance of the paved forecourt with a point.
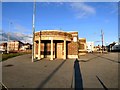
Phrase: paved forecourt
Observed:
(100, 70)
(20, 72)
(97, 71)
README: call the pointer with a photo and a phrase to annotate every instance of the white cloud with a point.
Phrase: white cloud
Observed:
(82, 10)
(20, 28)
(55, 3)
(114, 8)
(23, 37)
(17, 36)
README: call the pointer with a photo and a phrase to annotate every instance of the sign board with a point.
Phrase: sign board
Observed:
(75, 39)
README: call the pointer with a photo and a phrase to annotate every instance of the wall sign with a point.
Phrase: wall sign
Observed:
(75, 39)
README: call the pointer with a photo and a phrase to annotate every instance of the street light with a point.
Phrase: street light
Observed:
(8, 38)
(33, 29)
(102, 39)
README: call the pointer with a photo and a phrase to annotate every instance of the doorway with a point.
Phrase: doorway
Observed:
(59, 50)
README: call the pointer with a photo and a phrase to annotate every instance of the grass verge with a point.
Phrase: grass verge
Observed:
(10, 55)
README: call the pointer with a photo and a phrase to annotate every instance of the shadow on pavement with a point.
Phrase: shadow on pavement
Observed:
(107, 59)
(105, 88)
(89, 59)
(100, 57)
(78, 83)
(50, 76)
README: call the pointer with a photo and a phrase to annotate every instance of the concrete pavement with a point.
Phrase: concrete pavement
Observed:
(99, 68)
(93, 71)
(20, 72)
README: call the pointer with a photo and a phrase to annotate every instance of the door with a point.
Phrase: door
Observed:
(59, 50)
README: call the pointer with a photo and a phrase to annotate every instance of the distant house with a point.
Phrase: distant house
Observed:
(90, 46)
(109, 47)
(97, 48)
(15, 45)
(3, 47)
(116, 47)
(26, 46)
(82, 46)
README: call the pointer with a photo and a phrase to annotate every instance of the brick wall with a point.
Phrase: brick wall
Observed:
(53, 33)
(73, 48)
(47, 47)
(82, 40)
(82, 43)
(36, 51)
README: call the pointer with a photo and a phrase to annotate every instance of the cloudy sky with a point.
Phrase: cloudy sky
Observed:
(88, 18)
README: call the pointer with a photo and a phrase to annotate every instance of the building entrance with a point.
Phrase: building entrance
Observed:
(59, 50)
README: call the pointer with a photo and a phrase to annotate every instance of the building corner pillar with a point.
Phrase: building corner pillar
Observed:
(51, 49)
(34, 50)
(39, 49)
(64, 49)
(85, 47)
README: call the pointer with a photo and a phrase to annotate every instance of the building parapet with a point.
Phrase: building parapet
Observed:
(54, 33)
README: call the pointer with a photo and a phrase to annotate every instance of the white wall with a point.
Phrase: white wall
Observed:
(90, 46)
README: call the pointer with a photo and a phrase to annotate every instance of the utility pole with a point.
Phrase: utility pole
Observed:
(102, 39)
(33, 29)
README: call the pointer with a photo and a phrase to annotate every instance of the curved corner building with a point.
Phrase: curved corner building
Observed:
(55, 44)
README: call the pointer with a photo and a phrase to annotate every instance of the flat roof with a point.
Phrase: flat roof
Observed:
(82, 38)
(53, 30)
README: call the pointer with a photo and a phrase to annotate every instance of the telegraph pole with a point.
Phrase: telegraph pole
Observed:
(102, 39)
(33, 30)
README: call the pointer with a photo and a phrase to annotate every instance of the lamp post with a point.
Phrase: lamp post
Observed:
(102, 39)
(8, 38)
(33, 30)
(8, 44)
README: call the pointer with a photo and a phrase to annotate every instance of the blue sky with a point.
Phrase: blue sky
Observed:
(88, 18)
